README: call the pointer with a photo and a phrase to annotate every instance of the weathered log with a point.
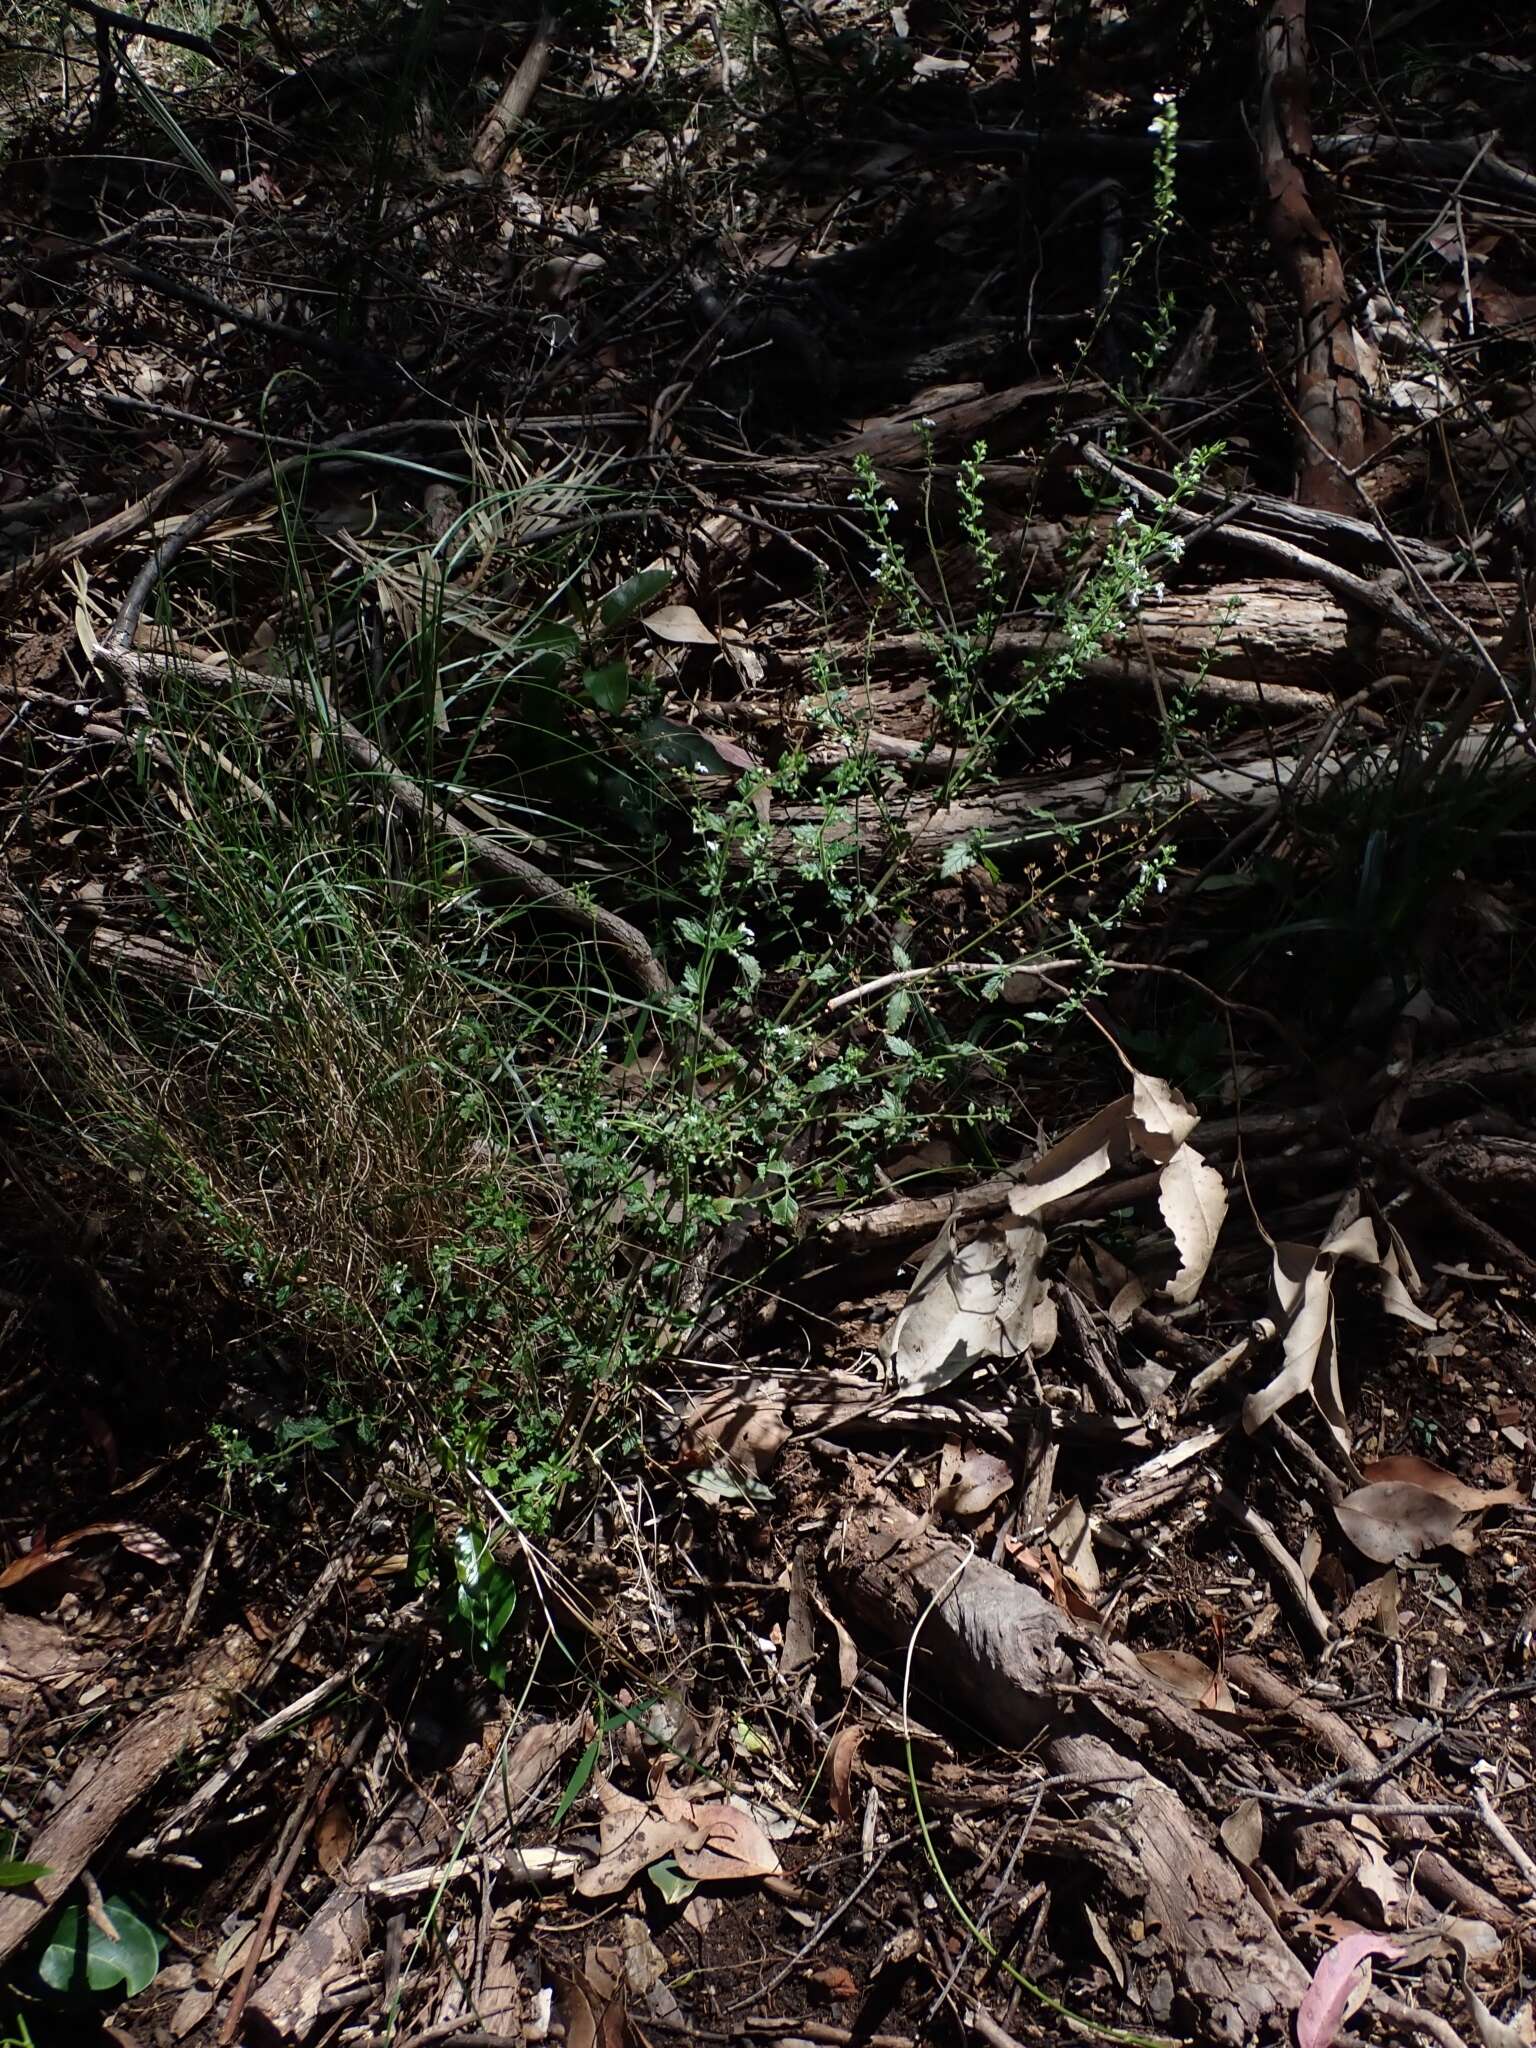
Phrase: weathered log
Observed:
(994, 1650)
(108, 1786)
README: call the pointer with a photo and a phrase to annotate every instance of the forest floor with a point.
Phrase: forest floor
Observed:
(770, 1015)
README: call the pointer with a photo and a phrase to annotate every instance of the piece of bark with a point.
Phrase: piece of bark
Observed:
(35, 1655)
(997, 1652)
(286, 2007)
(1330, 439)
(105, 1788)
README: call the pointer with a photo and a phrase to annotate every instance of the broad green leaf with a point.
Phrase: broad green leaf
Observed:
(80, 1958)
(633, 595)
(548, 652)
(14, 1875)
(670, 1881)
(608, 686)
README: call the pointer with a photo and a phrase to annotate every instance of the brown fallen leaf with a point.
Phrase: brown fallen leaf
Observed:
(970, 1482)
(1445, 1485)
(334, 1836)
(1392, 1519)
(722, 1842)
(1189, 1678)
(836, 1981)
(842, 1757)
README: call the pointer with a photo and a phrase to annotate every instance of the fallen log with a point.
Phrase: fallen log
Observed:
(994, 1650)
(105, 1788)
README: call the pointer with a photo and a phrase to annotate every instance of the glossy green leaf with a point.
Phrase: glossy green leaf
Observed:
(14, 1876)
(80, 1958)
(548, 652)
(633, 595)
(608, 686)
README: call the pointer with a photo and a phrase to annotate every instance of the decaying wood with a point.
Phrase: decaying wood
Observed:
(106, 1788)
(1330, 443)
(995, 1651)
(1273, 634)
(1014, 813)
(287, 2005)
(1433, 1871)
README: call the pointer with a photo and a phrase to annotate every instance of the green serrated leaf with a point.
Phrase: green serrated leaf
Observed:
(633, 595)
(80, 1958)
(14, 1876)
(608, 686)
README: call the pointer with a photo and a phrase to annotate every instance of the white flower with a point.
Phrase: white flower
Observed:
(1173, 548)
(248, 1278)
(1157, 592)
(1124, 516)
(928, 423)
(1162, 885)
(890, 505)
(1162, 99)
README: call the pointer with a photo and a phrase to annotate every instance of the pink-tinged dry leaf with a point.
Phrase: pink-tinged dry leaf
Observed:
(681, 625)
(1193, 1198)
(1393, 1519)
(1342, 1979)
(1435, 1479)
(741, 1425)
(722, 1842)
(632, 1836)
(1189, 1678)
(133, 1536)
(841, 1759)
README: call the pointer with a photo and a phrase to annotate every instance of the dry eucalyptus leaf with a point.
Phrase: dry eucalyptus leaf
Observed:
(1189, 1678)
(681, 625)
(968, 1303)
(1435, 1479)
(722, 1842)
(1071, 1533)
(1075, 1161)
(1193, 1198)
(1161, 1120)
(1392, 1519)
(841, 1760)
(1243, 1832)
(741, 1425)
(970, 1482)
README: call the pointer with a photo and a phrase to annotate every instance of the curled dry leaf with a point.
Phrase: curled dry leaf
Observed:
(841, 1759)
(1193, 1198)
(1340, 1984)
(1301, 1293)
(134, 1536)
(1393, 1518)
(1161, 1120)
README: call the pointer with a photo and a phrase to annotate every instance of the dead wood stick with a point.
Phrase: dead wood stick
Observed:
(509, 112)
(37, 568)
(1331, 443)
(998, 1651)
(106, 1787)
(1438, 1876)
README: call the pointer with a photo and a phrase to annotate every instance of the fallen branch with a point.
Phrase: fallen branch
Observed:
(509, 112)
(107, 1787)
